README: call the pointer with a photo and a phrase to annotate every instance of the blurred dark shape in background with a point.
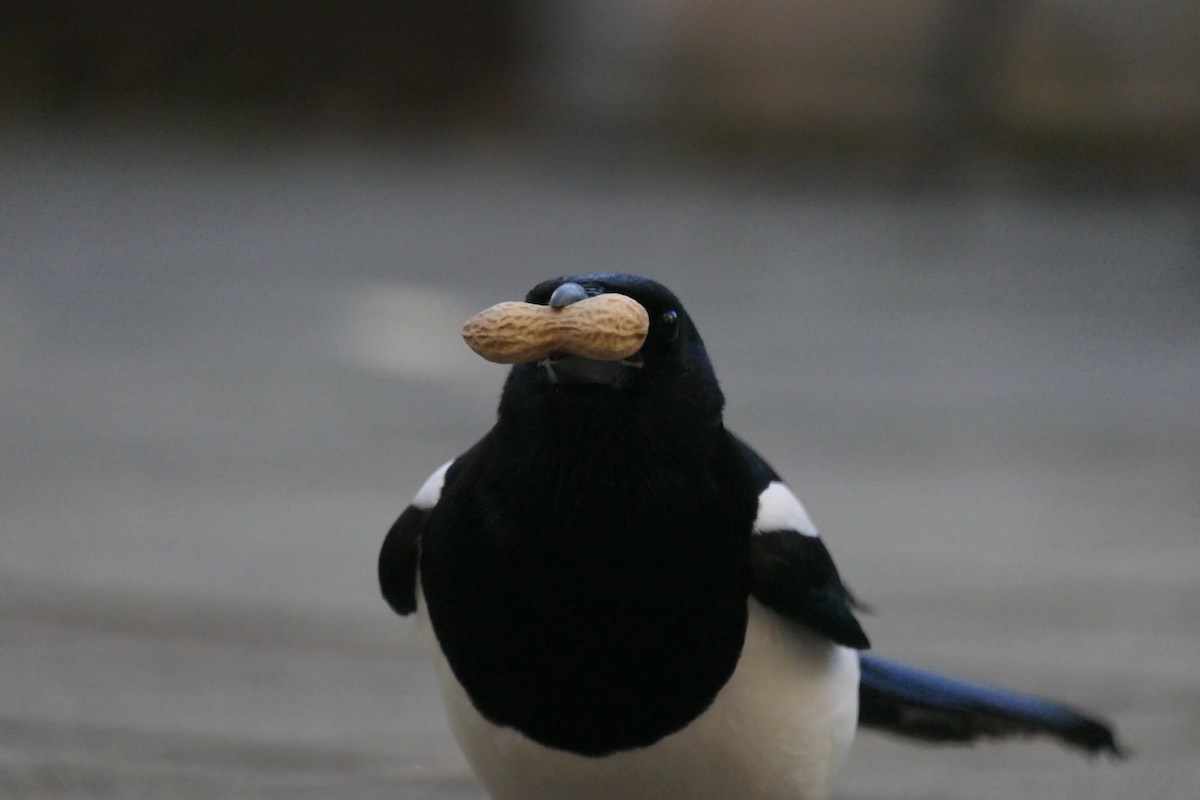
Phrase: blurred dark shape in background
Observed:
(1104, 85)
(315, 63)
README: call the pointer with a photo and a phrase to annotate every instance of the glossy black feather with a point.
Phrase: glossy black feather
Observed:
(923, 705)
(794, 575)
(398, 560)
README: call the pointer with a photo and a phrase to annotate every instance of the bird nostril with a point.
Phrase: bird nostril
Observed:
(566, 294)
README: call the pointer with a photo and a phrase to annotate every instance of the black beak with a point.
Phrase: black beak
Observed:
(566, 294)
(575, 370)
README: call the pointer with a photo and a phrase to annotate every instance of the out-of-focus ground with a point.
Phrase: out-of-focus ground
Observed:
(227, 366)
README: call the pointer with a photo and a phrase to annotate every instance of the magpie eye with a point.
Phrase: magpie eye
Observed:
(670, 325)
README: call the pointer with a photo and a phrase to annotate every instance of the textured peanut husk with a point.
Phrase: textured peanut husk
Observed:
(607, 327)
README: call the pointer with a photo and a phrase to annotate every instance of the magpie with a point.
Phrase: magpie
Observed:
(624, 600)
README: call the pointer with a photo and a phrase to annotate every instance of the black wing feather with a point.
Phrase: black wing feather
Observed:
(400, 557)
(398, 560)
(793, 574)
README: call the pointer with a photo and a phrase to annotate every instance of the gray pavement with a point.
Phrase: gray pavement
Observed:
(227, 365)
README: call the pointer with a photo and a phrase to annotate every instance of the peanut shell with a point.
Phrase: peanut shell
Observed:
(606, 327)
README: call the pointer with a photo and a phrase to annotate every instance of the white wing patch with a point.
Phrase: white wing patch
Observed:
(431, 490)
(780, 510)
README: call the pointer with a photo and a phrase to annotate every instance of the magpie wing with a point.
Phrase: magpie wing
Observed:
(791, 571)
(400, 555)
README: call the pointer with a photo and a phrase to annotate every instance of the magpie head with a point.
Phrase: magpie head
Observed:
(672, 365)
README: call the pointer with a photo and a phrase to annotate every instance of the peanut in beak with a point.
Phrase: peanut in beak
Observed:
(606, 327)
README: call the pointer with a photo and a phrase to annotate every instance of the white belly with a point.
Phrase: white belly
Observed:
(780, 729)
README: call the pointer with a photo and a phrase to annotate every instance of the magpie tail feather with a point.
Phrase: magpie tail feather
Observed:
(923, 705)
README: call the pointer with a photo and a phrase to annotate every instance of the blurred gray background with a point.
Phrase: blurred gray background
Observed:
(946, 257)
